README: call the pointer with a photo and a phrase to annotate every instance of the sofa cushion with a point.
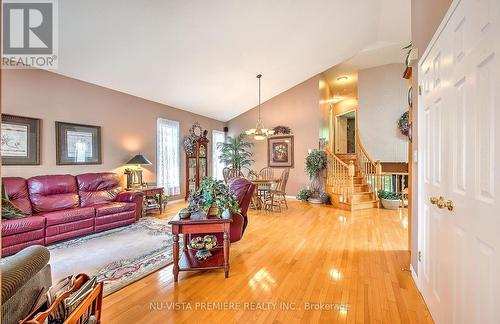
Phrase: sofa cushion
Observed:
(53, 192)
(68, 215)
(98, 188)
(17, 191)
(22, 225)
(113, 208)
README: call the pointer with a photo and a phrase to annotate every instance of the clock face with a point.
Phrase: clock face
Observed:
(196, 130)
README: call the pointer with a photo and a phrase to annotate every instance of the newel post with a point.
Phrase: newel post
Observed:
(378, 172)
(351, 173)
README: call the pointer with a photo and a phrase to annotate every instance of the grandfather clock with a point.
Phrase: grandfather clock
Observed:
(196, 164)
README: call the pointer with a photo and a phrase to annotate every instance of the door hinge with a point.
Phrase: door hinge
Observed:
(419, 90)
(419, 256)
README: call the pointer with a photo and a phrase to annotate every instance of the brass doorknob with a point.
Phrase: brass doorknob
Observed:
(441, 203)
(450, 205)
(433, 200)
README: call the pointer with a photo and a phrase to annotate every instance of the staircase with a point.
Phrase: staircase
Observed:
(352, 179)
(362, 196)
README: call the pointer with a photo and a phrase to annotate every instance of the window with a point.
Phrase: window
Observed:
(167, 156)
(217, 166)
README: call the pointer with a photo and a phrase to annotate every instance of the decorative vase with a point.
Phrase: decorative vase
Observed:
(390, 203)
(212, 211)
(226, 214)
(316, 185)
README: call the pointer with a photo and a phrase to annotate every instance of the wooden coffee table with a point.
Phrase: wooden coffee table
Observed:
(200, 223)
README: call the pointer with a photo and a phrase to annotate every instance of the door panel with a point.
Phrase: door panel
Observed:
(459, 117)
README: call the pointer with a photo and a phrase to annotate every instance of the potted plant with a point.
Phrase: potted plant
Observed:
(215, 198)
(315, 164)
(236, 152)
(304, 194)
(390, 200)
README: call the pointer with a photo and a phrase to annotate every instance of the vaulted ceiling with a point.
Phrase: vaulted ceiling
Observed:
(203, 56)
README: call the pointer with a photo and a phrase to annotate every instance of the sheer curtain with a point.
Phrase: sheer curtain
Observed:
(217, 166)
(167, 155)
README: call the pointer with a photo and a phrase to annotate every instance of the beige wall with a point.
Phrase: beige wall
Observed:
(297, 108)
(426, 15)
(128, 123)
(382, 98)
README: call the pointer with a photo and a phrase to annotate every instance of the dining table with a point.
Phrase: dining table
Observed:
(258, 199)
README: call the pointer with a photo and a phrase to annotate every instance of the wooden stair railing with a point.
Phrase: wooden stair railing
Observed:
(339, 177)
(369, 169)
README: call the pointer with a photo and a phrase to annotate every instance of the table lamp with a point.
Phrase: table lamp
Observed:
(134, 176)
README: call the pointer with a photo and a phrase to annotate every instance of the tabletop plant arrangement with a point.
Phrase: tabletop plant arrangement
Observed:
(214, 197)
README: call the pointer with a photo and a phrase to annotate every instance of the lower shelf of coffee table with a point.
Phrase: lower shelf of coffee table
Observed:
(189, 262)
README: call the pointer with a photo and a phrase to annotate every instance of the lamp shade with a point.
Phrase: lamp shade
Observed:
(139, 159)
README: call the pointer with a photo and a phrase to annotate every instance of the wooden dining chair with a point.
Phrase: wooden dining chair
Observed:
(266, 173)
(229, 173)
(252, 175)
(277, 196)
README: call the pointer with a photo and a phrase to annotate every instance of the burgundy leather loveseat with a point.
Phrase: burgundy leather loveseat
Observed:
(61, 207)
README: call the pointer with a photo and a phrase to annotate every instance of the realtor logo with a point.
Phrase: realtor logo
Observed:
(29, 34)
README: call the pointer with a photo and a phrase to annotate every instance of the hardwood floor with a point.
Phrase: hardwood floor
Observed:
(286, 267)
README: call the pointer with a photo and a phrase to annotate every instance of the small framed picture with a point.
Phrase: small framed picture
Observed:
(78, 144)
(280, 151)
(20, 140)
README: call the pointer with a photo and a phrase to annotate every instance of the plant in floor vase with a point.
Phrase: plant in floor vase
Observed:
(215, 198)
(315, 164)
(389, 199)
(236, 152)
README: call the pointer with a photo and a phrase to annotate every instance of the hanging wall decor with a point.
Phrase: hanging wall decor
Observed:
(403, 124)
(282, 130)
(78, 144)
(20, 140)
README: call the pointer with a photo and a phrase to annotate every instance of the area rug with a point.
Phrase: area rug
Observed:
(117, 257)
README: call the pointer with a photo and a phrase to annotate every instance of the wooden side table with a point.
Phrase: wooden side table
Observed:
(151, 191)
(200, 223)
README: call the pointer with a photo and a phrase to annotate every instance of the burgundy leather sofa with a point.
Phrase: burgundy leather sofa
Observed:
(61, 207)
(243, 190)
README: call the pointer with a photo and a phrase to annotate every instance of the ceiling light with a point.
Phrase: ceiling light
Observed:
(342, 78)
(336, 99)
(259, 132)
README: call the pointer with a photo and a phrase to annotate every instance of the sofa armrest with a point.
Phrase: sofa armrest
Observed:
(136, 197)
(129, 196)
(21, 267)
(237, 226)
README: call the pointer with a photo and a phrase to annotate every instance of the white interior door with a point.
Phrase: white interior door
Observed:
(459, 118)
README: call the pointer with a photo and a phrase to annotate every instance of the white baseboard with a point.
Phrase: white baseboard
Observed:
(414, 275)
(291, 197)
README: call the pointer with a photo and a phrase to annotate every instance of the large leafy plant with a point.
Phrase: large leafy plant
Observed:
(315, 163)
(389, 195)
(236, 152)
(214, 193)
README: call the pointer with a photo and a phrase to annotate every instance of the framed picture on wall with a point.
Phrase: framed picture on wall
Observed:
(280, 151)
(20, 140)
(77, 144)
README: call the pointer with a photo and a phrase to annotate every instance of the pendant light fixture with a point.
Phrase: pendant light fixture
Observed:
(259, 132)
